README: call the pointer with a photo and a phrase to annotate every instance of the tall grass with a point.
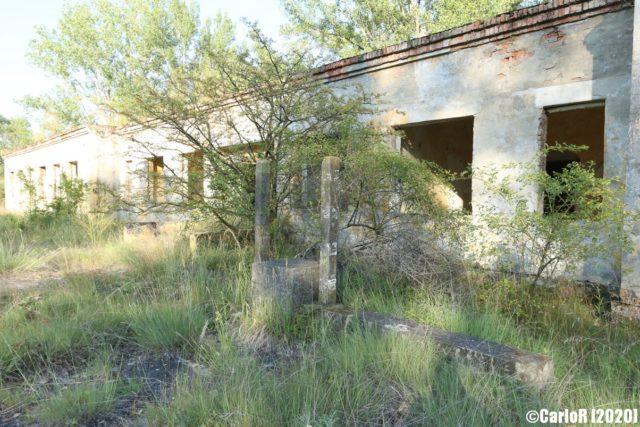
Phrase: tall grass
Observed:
(16, 255)
(306, 372)
(156, 304)
(166, 325)
(359, 378)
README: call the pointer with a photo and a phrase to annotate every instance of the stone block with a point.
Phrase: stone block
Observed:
(531, 368)
(631, 312)
(287, 283)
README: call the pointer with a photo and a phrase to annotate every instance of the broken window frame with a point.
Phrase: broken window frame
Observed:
(403, 147)
(570, 157)
(155, 179)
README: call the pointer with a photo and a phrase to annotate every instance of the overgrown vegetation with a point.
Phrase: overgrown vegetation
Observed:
(147, 332)
(579, 218)
(112, 347)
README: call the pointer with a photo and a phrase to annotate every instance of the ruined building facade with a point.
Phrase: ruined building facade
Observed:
(486, 94)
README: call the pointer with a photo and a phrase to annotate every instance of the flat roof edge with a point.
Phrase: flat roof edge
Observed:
(551, 14)
(58, 138)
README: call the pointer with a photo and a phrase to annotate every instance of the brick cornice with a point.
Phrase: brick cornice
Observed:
(547, 15)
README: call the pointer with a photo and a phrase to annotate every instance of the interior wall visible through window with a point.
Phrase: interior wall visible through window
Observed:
(156, 178)
(194, 167)
(578, 124)
(449, 144)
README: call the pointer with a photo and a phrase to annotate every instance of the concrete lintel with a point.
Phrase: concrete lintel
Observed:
(531, 368)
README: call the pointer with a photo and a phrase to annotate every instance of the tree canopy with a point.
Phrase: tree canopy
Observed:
(105, 50)
(352, 27)
(14, 132)
(156, 65)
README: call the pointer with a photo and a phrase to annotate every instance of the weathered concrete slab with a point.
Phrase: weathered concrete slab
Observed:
(288, 283)
(531, 368)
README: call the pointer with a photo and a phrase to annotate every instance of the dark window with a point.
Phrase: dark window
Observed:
(447, 143)
(155, 179)
(577, 124)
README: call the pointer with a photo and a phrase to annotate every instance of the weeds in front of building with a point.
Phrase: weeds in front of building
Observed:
(145, 331)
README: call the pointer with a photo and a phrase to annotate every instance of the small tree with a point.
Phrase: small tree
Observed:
(68, 199)
(70, 195)
(581, 217)
(163, 70)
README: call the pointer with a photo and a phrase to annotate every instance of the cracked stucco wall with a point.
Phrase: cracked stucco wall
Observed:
(506, 85)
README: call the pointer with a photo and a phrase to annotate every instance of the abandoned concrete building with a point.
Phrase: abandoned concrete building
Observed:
(109, 162)
(488, 93)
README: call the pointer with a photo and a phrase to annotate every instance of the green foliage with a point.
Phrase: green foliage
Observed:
(155, 62)
(508, 297)
(353, 27)
(57, 112)
(454, 13)
(59, 348)
(383, 186)
(379, 188)
(582, 218)
(14, 133)
(69, 196)
(109, 51)
(65, 205)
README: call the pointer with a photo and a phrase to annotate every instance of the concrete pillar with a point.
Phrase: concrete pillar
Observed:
(329, 211)
(305, 193)
(262, 244)
(630, 284)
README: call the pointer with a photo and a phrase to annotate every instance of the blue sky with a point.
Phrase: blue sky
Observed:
(19, 17)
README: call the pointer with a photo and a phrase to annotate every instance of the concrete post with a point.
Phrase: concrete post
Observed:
(262, 242)
(329, 229)
(630, 286)
(305, 193)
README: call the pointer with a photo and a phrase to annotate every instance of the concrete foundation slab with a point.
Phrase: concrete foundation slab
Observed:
(531, 368)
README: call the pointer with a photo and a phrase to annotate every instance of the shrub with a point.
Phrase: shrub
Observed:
(583, 218)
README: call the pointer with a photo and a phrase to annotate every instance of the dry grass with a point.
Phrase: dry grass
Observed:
(69, 353)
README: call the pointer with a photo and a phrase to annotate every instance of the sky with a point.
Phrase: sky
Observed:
(18, 19)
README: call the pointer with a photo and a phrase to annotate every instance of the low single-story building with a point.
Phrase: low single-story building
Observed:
(489, 93)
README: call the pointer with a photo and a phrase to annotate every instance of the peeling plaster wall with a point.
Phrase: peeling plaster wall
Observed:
(506, 85)
(630, 287)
